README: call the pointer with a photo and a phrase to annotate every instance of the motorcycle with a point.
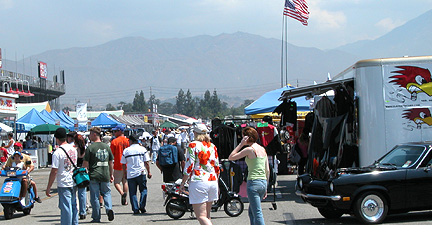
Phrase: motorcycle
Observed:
(177, 202)
(10, 193)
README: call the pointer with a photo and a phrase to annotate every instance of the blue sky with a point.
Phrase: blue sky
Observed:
(32, 27)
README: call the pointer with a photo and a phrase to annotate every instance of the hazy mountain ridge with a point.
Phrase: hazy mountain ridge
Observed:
(205, 62)
(410, 39)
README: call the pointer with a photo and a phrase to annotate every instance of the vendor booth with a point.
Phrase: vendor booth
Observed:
(105, 121)
(270, 100)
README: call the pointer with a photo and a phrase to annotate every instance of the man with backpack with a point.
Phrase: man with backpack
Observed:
(170, 161)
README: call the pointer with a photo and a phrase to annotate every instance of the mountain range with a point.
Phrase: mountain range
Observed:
(114, 71)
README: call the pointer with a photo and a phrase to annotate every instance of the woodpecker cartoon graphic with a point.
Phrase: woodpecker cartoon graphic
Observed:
(419, 116)
(415, 79)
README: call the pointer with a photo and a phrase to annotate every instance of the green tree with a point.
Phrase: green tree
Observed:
(128, 107)
(121, 104)
(205, 106)
(216, 105)
(110, 107)
(166, 108)
(190, 104)
(139, 103)
(180, 102)
(152, 100)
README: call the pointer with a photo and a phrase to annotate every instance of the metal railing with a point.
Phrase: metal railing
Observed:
(15, 78)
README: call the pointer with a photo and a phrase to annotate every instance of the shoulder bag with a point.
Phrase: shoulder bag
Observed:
(80, 175)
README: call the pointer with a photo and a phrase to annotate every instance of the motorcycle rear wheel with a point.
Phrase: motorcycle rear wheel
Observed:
(27, 211)
(234, 207)
(172, 212)
(8, 211)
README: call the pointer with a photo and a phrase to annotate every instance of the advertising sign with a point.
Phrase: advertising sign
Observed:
(408, 102)
(7, 103)
(43, 70)
(81, 109)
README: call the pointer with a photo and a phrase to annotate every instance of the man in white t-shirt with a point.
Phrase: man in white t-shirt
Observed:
(137, 162)
(62, 169)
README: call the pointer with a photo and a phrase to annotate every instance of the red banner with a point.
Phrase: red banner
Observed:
(43, 70)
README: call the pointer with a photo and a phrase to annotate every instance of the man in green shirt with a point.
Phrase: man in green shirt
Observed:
(98, 159)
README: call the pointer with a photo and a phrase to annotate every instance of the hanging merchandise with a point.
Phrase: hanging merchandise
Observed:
(325, 108)
(309, 119)
(224, 137)
(269, 137)
(289, 113)
(232, 175)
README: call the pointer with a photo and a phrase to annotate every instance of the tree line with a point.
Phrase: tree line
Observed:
(210, 106)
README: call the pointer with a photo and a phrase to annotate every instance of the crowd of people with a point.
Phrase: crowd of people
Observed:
(186, 156)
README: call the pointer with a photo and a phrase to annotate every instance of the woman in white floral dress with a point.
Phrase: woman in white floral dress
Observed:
(202, 171)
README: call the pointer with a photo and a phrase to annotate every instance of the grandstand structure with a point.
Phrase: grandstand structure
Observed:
(32, 89)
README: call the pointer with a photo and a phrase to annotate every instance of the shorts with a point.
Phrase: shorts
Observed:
(118, 177)
(203, 191)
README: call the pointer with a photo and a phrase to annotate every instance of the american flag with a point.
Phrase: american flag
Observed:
(298, 10)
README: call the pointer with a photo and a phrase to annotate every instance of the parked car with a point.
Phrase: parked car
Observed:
(398, 182)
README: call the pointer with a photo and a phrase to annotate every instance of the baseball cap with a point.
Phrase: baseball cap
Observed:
(200, 128)
(18, 144)
(17, 153)
(119, 127)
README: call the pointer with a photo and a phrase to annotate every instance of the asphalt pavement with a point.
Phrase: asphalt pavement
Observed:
(290, 209)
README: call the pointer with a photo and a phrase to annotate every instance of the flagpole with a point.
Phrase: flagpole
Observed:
(282, 48)
(286, 52)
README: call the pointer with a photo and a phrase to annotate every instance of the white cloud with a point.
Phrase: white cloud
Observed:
(102, 30)
(388, 24)
(327, 20)
(6, 4)
(222, 5)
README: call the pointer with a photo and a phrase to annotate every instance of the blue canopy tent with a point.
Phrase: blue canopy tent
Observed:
(65, 117)
(63, 122)
(104, 121)
(269, 101)
(32, 119)
(23, 127)
(47, 114)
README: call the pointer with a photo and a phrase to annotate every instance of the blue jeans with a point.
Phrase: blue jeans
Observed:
(82, 199)
(67, 205)
(141, 182)
(154, 155)
(99, 188)
(255, 191)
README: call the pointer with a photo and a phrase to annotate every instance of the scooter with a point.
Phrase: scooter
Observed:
(10, 193)
(177, 202)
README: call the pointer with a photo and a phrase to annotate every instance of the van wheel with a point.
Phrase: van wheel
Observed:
(371, 207)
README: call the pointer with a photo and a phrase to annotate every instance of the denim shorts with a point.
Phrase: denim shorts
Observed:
(203, 191)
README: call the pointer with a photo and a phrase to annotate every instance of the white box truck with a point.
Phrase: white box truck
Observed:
(391, 101)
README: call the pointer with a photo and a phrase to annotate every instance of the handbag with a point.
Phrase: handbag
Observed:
(80, 175)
